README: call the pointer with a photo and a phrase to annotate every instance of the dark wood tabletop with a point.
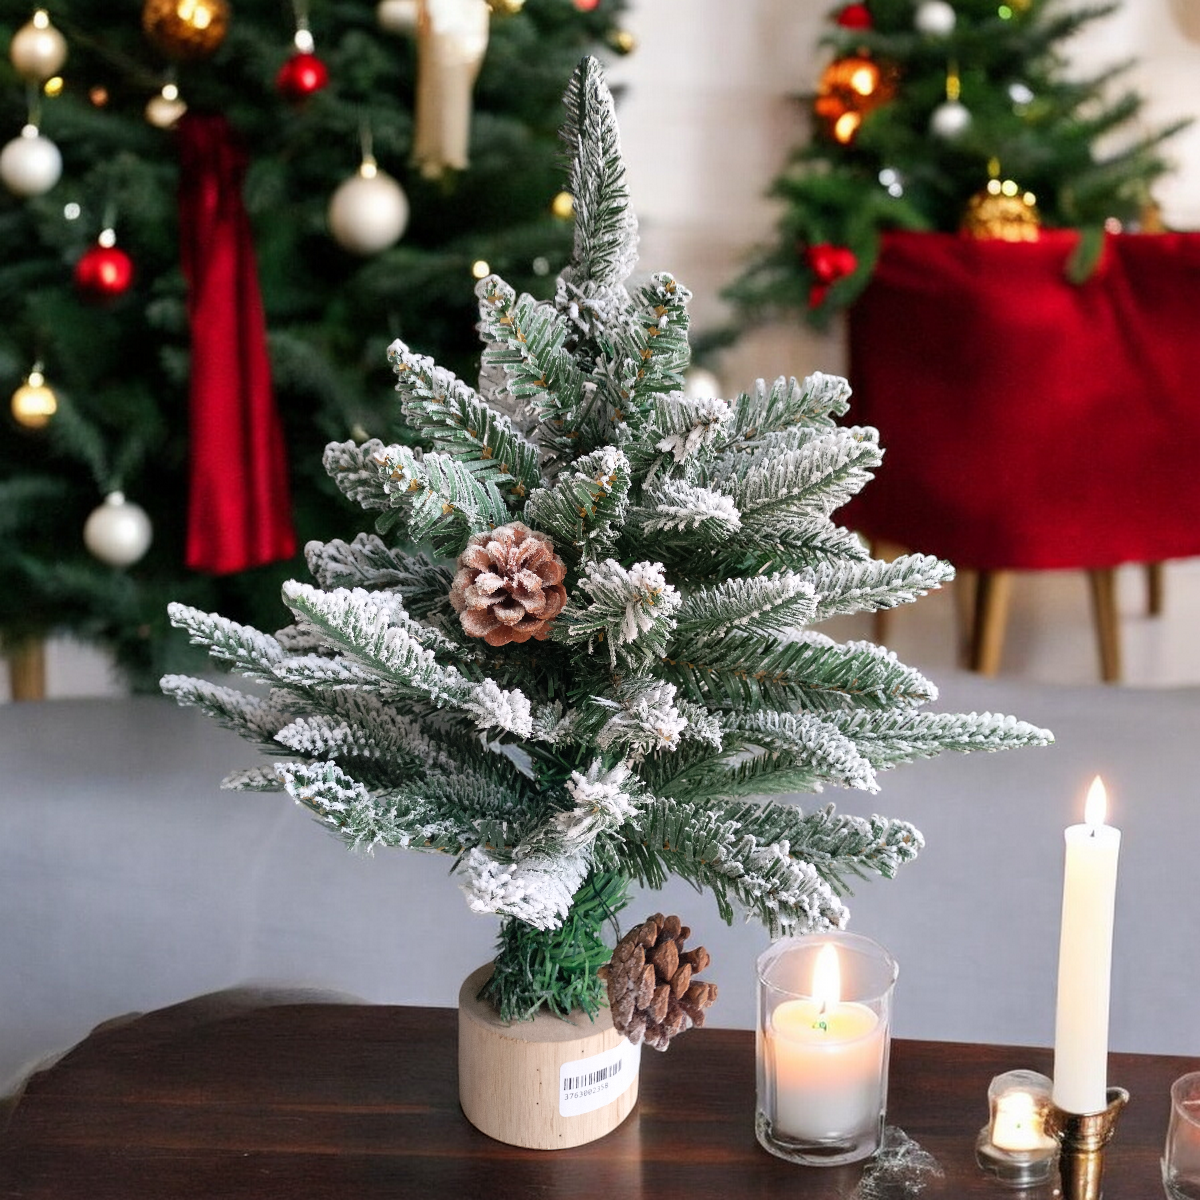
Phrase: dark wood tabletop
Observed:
(235, 1096)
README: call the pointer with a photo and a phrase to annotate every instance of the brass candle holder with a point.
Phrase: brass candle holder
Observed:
(1082, 1138)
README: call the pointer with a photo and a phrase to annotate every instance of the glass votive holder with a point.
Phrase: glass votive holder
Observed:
(824, 1033)
(1181, 1156)
(1014, 1145)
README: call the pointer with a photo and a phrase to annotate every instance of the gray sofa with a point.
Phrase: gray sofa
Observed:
(128, 881)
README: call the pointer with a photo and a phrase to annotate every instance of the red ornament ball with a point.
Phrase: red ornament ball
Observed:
(587, 5)
(301, 76)
(855, 16)
(828, 263)
(104, 273)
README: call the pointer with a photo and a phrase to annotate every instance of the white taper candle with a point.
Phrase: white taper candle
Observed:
(1085, 960)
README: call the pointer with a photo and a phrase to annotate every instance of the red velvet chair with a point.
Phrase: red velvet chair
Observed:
(1030, 423)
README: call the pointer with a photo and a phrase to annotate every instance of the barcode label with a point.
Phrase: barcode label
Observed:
(590, 1083)
(575, 1083)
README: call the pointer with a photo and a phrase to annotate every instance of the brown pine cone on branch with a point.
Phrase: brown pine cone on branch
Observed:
(651, 989)
(509, 585)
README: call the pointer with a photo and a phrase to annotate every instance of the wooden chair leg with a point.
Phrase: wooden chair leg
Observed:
(881, 626)
(992, 592)
(964, 588)
(1155, 588)
(881, 623)
(27, 670)
(1104, 614)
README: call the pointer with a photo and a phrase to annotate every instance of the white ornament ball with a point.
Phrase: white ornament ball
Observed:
(30, 164)
(37, 49)
(699, 384)
(936, 18)
(118, 532)
(368, 212)
(164, 112)
(950, 120)
(397, 16)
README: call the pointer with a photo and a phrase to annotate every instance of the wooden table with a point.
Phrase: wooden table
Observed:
(235, 1096)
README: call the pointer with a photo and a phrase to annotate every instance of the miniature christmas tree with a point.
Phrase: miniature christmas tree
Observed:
(118, 349)
(575, 653)
(932, 116)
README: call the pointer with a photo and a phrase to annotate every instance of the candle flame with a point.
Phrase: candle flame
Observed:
(1094, 810)
(827, 978)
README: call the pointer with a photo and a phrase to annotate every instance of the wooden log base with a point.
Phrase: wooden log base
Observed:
(511, 1082)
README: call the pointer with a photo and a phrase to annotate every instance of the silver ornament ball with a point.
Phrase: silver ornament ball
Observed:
(37, 49)
(118, 532)
(30, 165)
(397, 16)
(368, 212)
(950, 120)
(935, 18)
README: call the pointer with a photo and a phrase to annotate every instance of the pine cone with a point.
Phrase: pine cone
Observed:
(650, 987)
(509, 585)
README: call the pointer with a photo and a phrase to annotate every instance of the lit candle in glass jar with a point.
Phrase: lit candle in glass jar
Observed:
(829, 1060)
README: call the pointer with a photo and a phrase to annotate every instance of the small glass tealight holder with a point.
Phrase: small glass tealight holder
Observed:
(1014, 1145)
(1181, 1158)
(824, 1033)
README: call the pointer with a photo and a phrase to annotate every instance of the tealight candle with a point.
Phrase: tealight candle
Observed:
(1014, 1145)
(823, 1047)
(1017, 1124)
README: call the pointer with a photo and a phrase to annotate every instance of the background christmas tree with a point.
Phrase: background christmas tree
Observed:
(119, 367)
(599, 659)
(932, 115)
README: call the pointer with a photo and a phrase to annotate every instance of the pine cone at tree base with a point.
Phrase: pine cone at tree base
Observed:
(651, 989)
(509, 585)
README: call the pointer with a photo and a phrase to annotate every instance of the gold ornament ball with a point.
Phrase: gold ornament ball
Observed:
(186, 28)
(37, 49)
(33, 403)
(1002, 210)
(622, 41)
(505, 8)
(563, 206)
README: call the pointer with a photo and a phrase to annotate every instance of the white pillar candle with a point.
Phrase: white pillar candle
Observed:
(828, 1059)
(1085, 960)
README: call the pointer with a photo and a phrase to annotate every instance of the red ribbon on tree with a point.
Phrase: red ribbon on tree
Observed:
(239, 509)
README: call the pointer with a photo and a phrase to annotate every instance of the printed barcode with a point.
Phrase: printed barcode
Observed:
(571, 1082)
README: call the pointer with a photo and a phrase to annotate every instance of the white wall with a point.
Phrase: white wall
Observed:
(1155, 32)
